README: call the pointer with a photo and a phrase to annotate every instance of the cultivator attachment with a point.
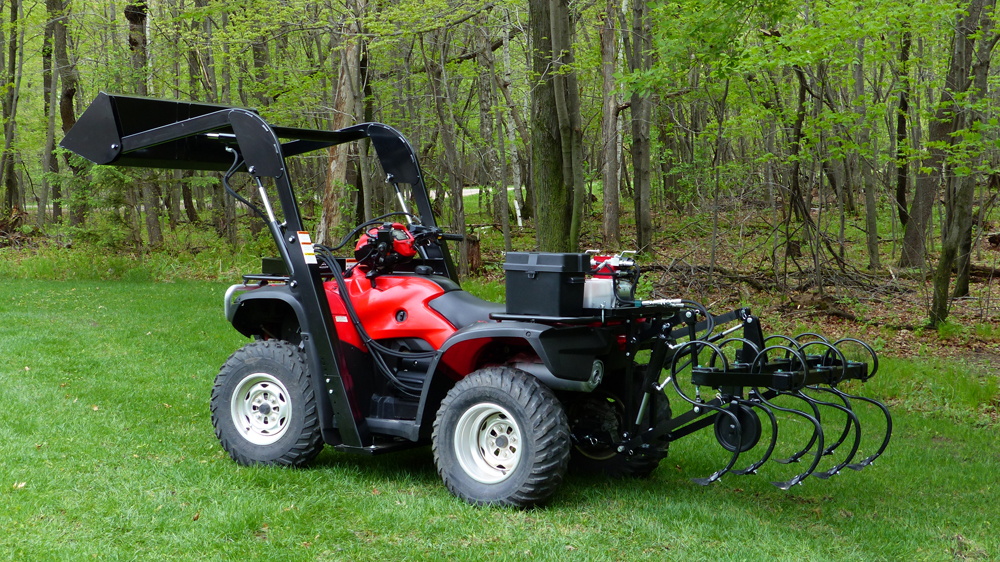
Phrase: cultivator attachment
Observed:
(791, 382)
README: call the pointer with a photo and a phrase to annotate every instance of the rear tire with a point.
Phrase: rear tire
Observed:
(501, 438)
(264, 408)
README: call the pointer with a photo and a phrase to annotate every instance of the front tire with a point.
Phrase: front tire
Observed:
(264, 408)
(501, 438)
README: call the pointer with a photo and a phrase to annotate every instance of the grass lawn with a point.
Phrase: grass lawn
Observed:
(107, 452)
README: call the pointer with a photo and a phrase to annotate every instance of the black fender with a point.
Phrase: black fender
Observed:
(566, 358)
(262, 310)
(260, 306)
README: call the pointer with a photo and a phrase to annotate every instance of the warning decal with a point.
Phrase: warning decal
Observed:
(307, 247)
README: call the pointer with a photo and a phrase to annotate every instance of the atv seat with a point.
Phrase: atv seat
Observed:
(461, 308)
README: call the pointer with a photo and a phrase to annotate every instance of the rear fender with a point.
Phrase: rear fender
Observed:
(560, 358)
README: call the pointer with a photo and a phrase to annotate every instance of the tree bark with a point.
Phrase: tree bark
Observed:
(136, 12)
(960, 117)
(947, 121)
(337, 210)
(10, 112)
(902, 158)
(446, 121)
(640, 59)
(567, 103)
(69, 76)
(865, 157)
(50, 163)
(553, 200)
(609, 127)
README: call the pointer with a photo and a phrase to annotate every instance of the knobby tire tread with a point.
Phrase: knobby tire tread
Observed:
(309, 442)
(549, 427)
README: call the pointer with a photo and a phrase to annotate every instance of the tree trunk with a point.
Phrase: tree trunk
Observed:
(516, 156)
(446, 121)
(980, 74)
(640, 59)
(68, 75)
(960, 120)
(566, 94)
(554, 197)
(337, 211)
(609, 127)
(523, 161)
(865, 157)
(188, 197)
(902, 158)
(942, 131)
(10, 113)
(49, 161)
(490, 159)
(136, 13)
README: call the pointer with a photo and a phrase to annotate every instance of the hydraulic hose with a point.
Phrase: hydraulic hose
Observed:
(376, 348)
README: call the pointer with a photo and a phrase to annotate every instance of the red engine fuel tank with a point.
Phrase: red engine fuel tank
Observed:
(396, 308)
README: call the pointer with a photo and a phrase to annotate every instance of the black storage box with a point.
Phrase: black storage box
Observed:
(545, 284)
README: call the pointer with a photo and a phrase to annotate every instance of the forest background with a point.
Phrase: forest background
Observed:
(806, 146)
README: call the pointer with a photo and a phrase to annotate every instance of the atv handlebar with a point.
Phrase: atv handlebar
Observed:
(453, 237)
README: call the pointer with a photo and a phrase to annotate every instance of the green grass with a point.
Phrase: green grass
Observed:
(107, 452)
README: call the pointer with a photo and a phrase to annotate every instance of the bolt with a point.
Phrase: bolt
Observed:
(293, 284)
(688, 315)
(291, 239)
(697, 410)
(331, 391)
(621, 448)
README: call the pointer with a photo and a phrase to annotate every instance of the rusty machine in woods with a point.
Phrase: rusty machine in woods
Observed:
(372, 346)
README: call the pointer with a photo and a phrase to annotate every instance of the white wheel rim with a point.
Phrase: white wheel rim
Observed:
(261, 409)
(488, 443)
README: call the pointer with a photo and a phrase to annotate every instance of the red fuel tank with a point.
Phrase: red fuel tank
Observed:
(396, 308)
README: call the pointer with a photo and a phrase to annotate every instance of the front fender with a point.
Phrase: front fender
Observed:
(268, 310)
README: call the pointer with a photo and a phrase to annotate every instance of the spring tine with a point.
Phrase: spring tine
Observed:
(723, 343)
(797, 353)
(818, 337)
(847, 424)
(752, 469)
(812, 440)
(885, 440)
(817, 436)
(736, 452)
(832, 379)
(722, 411)
(867, 347)
(781, 337)
(852, 418)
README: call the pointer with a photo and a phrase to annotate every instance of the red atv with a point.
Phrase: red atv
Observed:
(383, 350)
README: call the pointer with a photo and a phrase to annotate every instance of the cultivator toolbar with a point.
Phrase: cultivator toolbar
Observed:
(757, 376)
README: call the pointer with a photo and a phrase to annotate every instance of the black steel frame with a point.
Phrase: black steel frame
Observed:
(132, 131)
